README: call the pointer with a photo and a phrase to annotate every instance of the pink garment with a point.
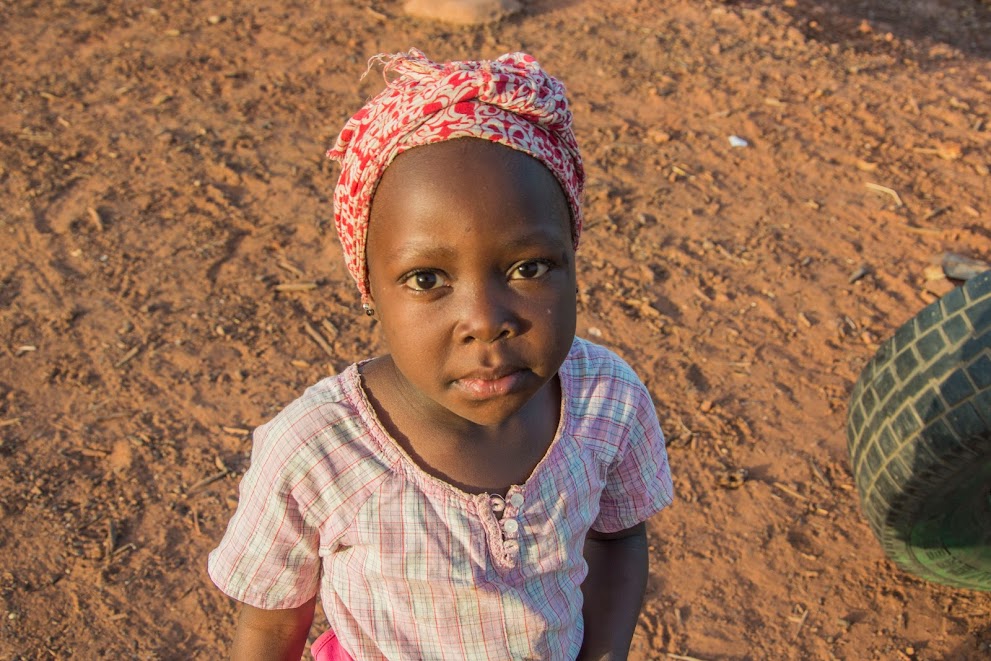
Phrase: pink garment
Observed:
(408, 566)
(510, 100)
(328, 648)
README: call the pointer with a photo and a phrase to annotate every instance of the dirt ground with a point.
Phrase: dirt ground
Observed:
(168, 247)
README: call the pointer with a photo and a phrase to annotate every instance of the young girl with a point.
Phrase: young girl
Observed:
(480, 491)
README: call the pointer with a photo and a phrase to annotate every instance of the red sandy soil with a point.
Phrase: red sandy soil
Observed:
(162, 173)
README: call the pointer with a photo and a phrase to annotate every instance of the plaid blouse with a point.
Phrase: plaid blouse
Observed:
(408, 566)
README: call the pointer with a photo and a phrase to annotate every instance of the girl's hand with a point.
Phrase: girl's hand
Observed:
(272, 635)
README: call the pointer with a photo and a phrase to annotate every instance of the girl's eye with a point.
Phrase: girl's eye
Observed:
(424, 281)
(530, 269)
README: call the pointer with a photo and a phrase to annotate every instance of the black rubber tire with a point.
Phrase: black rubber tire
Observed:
(919, 432)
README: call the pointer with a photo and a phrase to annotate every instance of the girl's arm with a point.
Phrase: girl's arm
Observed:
(613, 591)
(272, 635)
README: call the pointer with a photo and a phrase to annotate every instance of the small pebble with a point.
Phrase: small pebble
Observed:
(659, 137)
(940, 287)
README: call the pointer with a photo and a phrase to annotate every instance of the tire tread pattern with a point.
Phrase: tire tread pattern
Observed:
(920, 409)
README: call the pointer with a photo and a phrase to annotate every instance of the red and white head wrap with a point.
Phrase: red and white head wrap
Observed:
(510, 100)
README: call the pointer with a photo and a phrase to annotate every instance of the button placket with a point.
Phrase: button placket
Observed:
(494, 511)
(509, 524)
(504, 523)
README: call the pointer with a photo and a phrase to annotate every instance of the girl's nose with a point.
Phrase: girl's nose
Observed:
(487, 315)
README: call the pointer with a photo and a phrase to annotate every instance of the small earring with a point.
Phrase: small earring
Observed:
(369, 310)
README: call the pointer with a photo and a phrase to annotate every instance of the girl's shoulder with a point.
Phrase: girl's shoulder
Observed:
(604, 396)
(590, 366)
(315, 463)
(326, 426)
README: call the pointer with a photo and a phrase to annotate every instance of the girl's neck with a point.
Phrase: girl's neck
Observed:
(472, 457)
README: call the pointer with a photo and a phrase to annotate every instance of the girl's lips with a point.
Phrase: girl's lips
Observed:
(486, 388)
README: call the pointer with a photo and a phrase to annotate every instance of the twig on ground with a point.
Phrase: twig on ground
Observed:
(818, 473)
(286, 266)
(935, 212)
(127, 356)
(296, 286)
(318, 338)
(207, 481)
(859, 273)
(376, 14)
(111, 541)
(922, 230)
(95, 217)
(330, 330)
(801, 623)
(788, 491)
(90, 452)
(887, 191)
(124, 549)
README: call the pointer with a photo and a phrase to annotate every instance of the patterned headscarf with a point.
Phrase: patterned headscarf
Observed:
(510, 100)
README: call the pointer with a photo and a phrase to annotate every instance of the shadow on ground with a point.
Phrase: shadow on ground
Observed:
(964, 25)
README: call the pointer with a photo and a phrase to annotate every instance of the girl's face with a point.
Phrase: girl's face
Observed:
(472, 274)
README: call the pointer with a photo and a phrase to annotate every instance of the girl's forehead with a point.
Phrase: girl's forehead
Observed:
(431, 192)
(460, 153)
(481, 164)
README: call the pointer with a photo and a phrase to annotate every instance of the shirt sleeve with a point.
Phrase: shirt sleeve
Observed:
(638, 482)
(269, 556)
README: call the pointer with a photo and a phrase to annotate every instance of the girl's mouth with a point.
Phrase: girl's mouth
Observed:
(482, 386)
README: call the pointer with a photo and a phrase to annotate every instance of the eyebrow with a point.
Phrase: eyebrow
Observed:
(421, 251)
(542, 236)
(429, 251)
